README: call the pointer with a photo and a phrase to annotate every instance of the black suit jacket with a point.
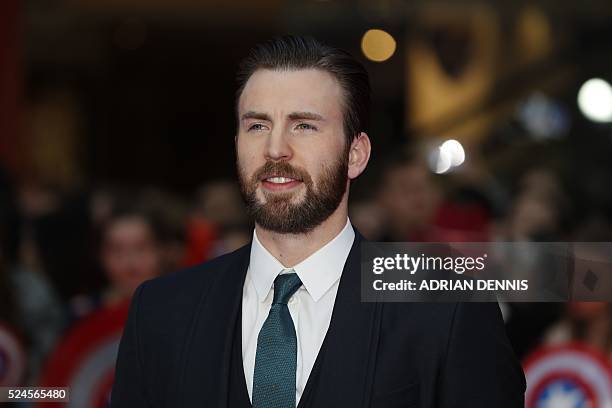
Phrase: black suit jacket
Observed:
(177, 347)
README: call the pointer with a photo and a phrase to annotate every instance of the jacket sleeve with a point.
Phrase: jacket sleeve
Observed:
(480, 368)
(129, 386)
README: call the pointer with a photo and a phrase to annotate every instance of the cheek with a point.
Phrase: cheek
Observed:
(151, 262)
(246, 155)
(115, 266)
(315, 154)
(110, 259)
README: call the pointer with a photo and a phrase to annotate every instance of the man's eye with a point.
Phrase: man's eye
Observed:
(305, 126)
(256, 126)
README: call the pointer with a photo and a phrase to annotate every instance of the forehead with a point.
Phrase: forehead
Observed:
(128, 226)
(305, 90)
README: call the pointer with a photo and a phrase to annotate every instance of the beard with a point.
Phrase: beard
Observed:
(281, 212)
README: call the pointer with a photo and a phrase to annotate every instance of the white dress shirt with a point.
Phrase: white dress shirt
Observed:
(310, 307)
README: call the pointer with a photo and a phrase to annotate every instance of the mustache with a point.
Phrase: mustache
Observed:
(280, 169)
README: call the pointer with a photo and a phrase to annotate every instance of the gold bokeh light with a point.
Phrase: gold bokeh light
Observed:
(378, 45)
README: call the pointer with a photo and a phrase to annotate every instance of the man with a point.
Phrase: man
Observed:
(279, 322)
(130, 251)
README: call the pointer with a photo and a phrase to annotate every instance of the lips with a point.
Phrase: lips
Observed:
(279, 183)
(280, 177)
(279, 180)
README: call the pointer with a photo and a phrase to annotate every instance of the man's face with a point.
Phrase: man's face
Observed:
(130, 254)
(291, 148)
(409, 195)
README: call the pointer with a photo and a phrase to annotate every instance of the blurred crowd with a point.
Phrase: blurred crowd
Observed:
(66, 255)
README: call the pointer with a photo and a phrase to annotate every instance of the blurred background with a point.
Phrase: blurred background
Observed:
(491, 121)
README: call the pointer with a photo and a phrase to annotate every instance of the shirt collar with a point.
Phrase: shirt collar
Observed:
(318, 272)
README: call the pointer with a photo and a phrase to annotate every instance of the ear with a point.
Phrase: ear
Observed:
(359, 155)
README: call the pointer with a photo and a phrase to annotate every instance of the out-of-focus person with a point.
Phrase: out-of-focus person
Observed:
(230, 238)
(36, 310)
(538, 211)
(13, 360)
(414, 207)
(171, 214)
(369, 218)
(218, 223)
(130, 252)
(587, 322)
(220, 203)
(408, 198)
(532, 218)
(536, 214)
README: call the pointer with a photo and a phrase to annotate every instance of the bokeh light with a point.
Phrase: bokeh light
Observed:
(446, 156)
(455, 152)
(378, 45)
(595, 100)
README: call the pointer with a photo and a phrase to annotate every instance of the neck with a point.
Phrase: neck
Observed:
(291, 249)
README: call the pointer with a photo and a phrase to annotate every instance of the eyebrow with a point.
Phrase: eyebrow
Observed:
(292, 116)
(256, 115)
(305, 115)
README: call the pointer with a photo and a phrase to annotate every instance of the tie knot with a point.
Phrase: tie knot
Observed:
(285, 286)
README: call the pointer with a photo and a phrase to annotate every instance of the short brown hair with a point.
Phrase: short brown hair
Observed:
(291, 52)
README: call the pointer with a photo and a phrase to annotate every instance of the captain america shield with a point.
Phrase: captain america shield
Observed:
(85, 359)
(568, 376)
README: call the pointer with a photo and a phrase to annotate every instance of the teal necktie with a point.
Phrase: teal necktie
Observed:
(276, 357)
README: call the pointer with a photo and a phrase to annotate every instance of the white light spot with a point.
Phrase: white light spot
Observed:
(455, 151)
(439, 161)
(595, 100)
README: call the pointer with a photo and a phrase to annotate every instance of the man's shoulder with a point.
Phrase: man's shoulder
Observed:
(426, 313)
(442, 317)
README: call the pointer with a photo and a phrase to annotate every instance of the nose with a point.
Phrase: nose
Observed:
(278, 147)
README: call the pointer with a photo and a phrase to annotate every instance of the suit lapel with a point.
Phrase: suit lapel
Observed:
(207, 357)
(345, 364)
